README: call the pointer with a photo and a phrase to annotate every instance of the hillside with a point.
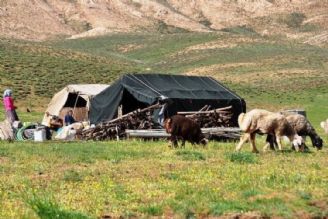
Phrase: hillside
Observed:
(269, 72)
(35, 72)
(30, 20)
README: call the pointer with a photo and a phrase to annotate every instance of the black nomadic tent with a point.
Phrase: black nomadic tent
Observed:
(185, 93)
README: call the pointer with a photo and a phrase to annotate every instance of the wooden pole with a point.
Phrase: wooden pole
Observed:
(77, 98)
(156, 106)
(218, 110)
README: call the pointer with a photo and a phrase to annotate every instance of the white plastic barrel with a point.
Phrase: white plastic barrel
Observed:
(40, 135)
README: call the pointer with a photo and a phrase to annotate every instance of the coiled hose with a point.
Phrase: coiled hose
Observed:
(21, 135)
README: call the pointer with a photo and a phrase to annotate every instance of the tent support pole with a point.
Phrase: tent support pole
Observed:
(77, 97)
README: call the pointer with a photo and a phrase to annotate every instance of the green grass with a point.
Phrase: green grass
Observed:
(80, 180)
(154, 210)
(73, 176)
(152, 47)
(242, 158)
(47, 209)
(190, 155)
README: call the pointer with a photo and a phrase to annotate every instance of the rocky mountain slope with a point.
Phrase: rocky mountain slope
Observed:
(45, 19)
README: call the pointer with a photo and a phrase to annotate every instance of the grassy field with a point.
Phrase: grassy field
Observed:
(143, 179)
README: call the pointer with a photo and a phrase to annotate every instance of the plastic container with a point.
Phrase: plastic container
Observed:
(40, 135)
(297, 111)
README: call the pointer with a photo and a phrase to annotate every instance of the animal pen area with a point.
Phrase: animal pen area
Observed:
(136, 106)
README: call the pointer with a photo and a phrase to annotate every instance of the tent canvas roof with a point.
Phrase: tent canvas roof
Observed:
(86, 91)
(149, 88)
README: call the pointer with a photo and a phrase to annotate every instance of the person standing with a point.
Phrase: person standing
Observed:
(10, 108)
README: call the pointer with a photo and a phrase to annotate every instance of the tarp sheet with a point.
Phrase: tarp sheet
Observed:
(186, 93)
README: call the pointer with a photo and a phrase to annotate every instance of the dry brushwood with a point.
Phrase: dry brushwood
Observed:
(220, 117)
(114, 129)
(216, 124)
(141, 119)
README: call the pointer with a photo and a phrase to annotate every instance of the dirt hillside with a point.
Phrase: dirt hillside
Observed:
(43, 19)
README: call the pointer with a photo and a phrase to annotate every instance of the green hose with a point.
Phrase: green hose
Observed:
(20, 133)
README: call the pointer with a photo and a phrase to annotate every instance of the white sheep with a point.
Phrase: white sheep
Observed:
(324, 125)
(302, 127)
(264, 122)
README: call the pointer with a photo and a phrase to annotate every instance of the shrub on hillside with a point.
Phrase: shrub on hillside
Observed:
(294, 20)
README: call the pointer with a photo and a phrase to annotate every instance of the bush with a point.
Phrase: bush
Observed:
(294, 20)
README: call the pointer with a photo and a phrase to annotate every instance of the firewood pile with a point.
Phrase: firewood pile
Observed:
(216, 124)
(115, 129)
(220, 117)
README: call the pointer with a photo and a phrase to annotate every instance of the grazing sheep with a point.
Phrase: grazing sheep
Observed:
(265, 122)
(184, 128)
(302, 127)
(324, 125)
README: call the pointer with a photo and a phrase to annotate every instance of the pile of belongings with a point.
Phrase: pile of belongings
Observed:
(17, 131)
(21, 132)
(26, 131)
(66, 133)
(70, 132)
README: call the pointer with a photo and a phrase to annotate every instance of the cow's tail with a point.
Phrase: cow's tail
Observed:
(244, 121)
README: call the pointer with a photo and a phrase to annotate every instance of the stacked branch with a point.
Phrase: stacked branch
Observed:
(142, 119)
(215, 123)
(220, 117)
(114, 129)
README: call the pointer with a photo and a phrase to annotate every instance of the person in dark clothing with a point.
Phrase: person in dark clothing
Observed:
(69, 119)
